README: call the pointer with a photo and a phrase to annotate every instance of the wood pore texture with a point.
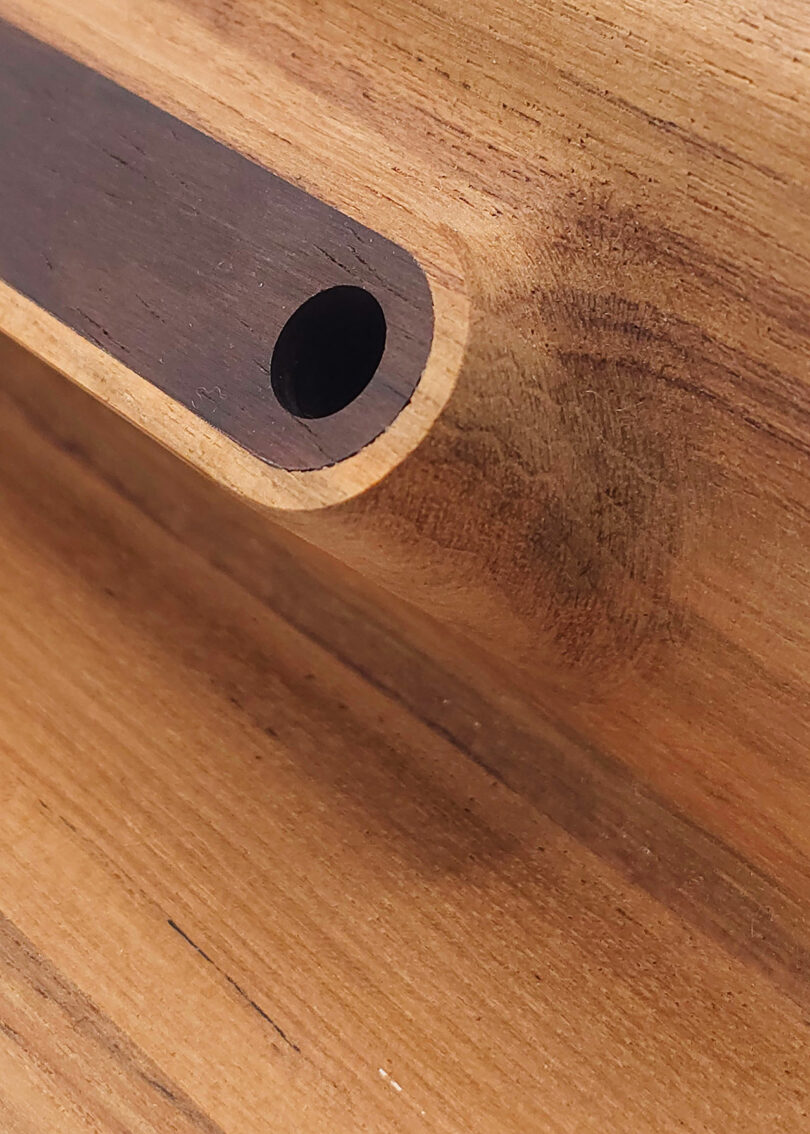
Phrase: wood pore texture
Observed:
(479, 802)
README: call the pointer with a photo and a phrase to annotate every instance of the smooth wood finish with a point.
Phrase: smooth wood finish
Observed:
(609, 203)
(274, 847)
(281, 850)
(183, 260)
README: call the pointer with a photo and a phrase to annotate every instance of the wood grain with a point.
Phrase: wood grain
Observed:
(472, 795)
(184, 261)
(267, 832)
(610, 206)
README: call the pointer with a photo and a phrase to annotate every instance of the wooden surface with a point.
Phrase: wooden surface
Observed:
(274, 848)
(484, 806)
(184, 261)
(610, 204)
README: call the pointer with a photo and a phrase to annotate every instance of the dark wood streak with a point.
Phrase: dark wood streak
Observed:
(584, 788)
(31, 980)
(183, 259)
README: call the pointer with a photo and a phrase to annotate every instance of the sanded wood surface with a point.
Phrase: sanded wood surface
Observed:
(279, 854)
(473, 796)
(610, 202)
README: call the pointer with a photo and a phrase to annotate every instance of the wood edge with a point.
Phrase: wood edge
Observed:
(180, 430)
(214, 454)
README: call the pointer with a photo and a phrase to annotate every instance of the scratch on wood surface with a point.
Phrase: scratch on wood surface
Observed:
(237, 987)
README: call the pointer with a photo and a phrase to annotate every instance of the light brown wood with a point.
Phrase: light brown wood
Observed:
(610, 202)
(484, 806)
(246, 795)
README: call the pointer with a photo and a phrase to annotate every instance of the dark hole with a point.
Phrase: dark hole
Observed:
(328, 351)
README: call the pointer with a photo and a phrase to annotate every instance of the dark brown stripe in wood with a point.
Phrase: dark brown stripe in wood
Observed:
(61, 1026)
(183, 259)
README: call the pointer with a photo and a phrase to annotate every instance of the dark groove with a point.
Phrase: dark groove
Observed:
(237, 987)
(280, 1031)
(184, 260)
(193, 944)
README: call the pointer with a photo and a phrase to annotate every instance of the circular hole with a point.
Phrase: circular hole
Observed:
(328, 351)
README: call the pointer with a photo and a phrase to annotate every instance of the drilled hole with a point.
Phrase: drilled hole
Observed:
(328, 351)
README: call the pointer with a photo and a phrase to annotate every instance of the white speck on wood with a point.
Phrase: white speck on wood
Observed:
(384, 1075)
